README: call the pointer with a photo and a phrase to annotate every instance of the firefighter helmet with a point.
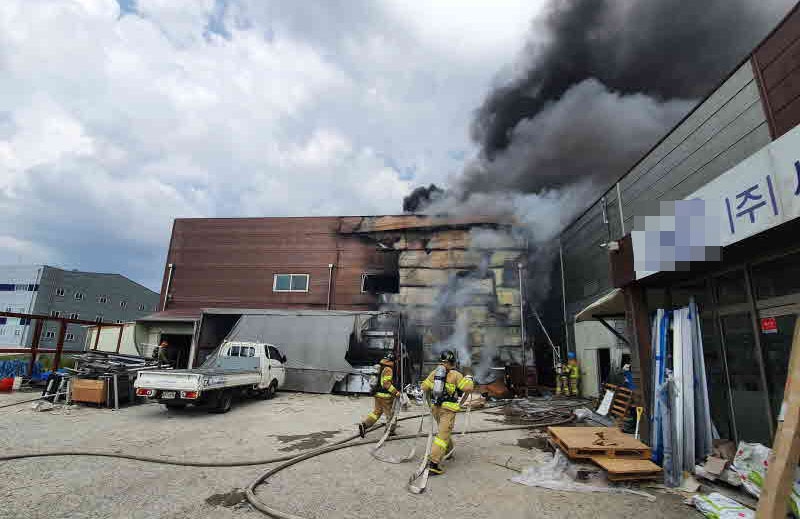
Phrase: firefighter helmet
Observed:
(448, 356)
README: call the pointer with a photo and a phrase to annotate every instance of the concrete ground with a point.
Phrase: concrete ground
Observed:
(345, 483)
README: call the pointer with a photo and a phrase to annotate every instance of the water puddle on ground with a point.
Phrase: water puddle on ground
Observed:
(301, 442)
(233, 498)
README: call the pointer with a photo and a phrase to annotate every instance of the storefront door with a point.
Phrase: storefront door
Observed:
(746, 385)
(777, 330)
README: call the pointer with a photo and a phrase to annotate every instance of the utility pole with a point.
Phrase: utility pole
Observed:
(523, 338)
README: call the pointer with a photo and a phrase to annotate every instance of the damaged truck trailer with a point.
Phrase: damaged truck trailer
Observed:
(326, 350)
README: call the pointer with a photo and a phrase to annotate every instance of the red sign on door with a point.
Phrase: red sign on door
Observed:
(769, 325)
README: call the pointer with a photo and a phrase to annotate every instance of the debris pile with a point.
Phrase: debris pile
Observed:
(104, 378)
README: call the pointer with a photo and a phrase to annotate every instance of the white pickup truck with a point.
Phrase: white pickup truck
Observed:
(234, 369)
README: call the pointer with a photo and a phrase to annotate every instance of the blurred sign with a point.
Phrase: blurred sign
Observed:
(759, 193)
(769, 325)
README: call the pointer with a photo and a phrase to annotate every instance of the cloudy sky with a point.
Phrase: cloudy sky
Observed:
(116, 118)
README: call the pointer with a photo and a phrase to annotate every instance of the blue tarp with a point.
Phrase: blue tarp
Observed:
(19, 368)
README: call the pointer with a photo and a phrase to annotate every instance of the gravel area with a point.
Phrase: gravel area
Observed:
(345, 483)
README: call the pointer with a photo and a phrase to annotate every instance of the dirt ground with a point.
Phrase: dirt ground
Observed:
(344, 483)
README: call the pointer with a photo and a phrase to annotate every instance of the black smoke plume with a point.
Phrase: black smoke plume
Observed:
(422, 197)
(601, 81)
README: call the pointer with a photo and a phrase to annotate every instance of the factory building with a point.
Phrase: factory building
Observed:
(403, 263)
(738, 152)
(55, 292)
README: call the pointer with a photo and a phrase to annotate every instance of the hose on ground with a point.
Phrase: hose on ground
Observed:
(285, 461)
(43, 397)
(179, 463)
(268, 510)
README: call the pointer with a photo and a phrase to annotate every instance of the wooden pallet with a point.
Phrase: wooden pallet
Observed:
(621, 404)
(585, 443)
(628, 469)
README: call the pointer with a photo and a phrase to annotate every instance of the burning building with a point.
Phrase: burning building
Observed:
(458, 286)
(455, 281)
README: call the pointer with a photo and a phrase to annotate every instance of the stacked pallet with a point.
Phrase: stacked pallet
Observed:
(619, 454)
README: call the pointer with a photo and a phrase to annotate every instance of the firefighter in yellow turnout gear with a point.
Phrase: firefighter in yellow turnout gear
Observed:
(384, 394)
(445, 385)
(574, 371)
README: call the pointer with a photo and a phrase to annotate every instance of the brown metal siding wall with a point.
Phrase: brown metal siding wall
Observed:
(777, 63)
(231, 263)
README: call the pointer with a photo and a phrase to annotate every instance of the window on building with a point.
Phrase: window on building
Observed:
(74, 315)
(98, 319)
(55, 313)
(731, 288)
(49, 335)
(60, 292)
(510, 274)
(102, 299)
(140, 307)
(9, 309)
(290, 283)
(777, 277)
(2, 330)
(380, 283)
(3, 320)
(17, 332)
(21, 288)
(24, 321)
(123, 304)
(5, 287)
(78, 296)
(119, 321)
(69, 337)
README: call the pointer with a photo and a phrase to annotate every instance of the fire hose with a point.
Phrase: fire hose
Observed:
(285, 461)
(266, 509)
(179, 463)
(43, 397)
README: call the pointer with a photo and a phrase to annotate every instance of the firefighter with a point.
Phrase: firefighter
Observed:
(574, 373)
(562, 379)
(160, 353)
(384, 393)
(446, 385)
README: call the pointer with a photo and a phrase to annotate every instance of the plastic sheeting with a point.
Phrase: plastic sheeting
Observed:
(553, 474)
(659, 347)
(704, 443)
(717, 506)
(682, 430)
(315, 344)
(751, 462)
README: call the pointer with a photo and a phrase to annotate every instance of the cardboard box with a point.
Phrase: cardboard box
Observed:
(715, 465)
(89, 391)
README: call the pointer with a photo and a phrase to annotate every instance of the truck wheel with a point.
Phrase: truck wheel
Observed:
(269, 393)
(222, 403)
(174, 405)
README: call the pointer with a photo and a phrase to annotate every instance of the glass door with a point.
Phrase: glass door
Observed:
(746, 385)
(777, 329)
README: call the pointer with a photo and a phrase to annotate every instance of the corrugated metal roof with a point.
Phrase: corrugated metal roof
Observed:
(181, 314)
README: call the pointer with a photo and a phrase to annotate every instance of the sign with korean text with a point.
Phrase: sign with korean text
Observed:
(759, 193)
